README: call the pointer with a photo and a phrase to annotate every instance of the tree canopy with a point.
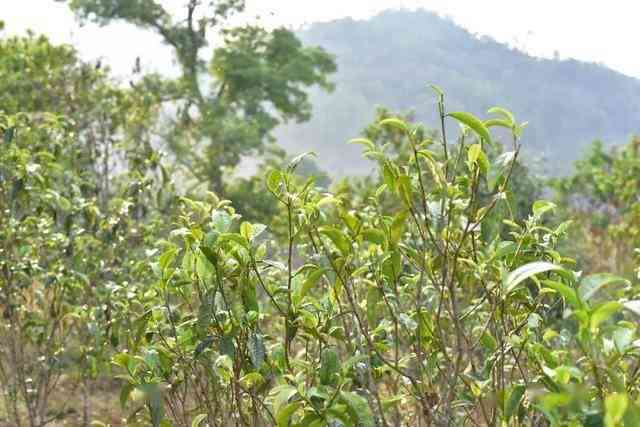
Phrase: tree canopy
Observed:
(228, 98)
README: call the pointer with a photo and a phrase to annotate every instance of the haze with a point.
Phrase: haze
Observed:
(600, 32)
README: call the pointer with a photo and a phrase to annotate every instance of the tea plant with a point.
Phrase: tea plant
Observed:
(601, 196)
(67, 265)
(420, 314)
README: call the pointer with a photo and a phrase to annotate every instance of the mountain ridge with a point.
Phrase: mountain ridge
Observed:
(389, 59)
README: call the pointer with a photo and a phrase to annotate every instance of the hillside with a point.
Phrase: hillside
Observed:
(389, 59)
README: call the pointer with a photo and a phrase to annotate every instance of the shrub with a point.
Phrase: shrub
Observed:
(416, 315)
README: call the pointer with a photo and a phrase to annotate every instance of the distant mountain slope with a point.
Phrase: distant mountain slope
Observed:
(389, 59)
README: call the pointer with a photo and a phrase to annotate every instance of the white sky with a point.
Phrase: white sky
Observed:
(606, 32)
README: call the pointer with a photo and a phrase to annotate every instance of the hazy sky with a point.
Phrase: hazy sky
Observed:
(606, 32)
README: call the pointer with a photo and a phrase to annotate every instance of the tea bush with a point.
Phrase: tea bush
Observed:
(71, 255)
(427, 310)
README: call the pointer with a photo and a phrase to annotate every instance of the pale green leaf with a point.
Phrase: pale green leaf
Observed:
(198, 420)
(395, 123)
(615, 406)
(338, 238)
(590, 285)
(363, 141)
(473, 123)
(526, 271)
(603, 313)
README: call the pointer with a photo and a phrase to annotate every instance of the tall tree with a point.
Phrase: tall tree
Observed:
(228, 105)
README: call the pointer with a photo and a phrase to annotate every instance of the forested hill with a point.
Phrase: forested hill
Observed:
(389, 59)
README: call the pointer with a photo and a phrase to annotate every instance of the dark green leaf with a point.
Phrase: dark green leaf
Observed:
(338, 238)
(359, 408)
(513, 401)
(329, 367)
(257, 349)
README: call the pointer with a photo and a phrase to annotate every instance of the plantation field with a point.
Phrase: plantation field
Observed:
(144, 282)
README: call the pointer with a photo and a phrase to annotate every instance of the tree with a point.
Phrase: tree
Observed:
(255, 79)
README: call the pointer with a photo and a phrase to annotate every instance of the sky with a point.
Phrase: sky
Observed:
(595, 31)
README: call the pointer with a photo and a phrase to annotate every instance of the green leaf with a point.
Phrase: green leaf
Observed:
(329, 367)
(284, 415)
(404, 189)
(437, 89)
(338, 238)
(236, 238)
(258, 229)
(389, 175)
(122, 359)
(312, 279)
(351, 221)
(227, 346)
(565, 291)
(513, 401)
(590, 285)
(603, 312)
(221, 221)
(274, 181)
(615, 406)
(498, 122)
(167, 258)
(506, 114)
(257, 349)
(474, 153)
(198, 420)
(395, 123)
(472, 122)
(526, 271)
(477, 155)
(398, 226)
(204, 268)
(373, 235)
(249, 297)
(373, 297)
(363, 141)
(125, 392)
(293, 164)
(281, 395)
(392, 266)
(204, 344)
(246, 230)
(632, 415)
(540, 207)
(359, 408)
(8, 135)
(153, 398)
(252, 379)
(391, 402)
(622, 338)
(489, 342)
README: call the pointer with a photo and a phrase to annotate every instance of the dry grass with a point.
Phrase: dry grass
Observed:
(68, 400)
